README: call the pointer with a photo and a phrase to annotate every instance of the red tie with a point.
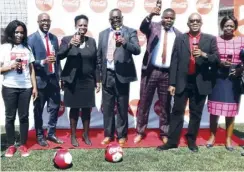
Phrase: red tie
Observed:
(165, 47)
(50, 67)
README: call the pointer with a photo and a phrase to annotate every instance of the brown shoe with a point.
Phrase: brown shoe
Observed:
(164, 139)
(122, 141)
(106, 141)
(138, 138)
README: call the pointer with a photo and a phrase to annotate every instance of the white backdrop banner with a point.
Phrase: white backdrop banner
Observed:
(62, 14)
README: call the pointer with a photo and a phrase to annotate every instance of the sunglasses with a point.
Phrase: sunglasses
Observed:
(195, 21)
(116, 18)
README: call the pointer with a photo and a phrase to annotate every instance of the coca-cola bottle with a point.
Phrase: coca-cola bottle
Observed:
(229, 56)
(194, 43)
(19, 66)
(77, 35)
(117, 34)
(159, 4)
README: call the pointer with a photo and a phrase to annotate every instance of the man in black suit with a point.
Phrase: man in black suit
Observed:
(115, 48)
(192, 73)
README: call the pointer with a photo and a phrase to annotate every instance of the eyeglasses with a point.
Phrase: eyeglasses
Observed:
(45, 21)
(116, 18)
(195, 20)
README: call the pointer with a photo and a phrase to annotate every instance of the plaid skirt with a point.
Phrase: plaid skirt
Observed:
(225, 97)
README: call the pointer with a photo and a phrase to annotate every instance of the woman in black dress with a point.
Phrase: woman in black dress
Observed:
(79, 76)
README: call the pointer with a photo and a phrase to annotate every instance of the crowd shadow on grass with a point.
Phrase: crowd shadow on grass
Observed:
(239, 133)
(4, 140)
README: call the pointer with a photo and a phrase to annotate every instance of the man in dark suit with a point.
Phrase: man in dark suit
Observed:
(115, 48)
(155, 70)
(192, 74)
(48, 69)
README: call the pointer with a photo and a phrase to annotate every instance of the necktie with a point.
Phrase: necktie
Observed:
(50, 65)
(165, 47)
(192, 62)
(111, 48)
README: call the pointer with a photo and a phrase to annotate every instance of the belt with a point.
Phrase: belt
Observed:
(110, 70)
(161, 69)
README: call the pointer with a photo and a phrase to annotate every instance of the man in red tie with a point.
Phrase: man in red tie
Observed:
(48, 69)
(155, 70)
(192, 74)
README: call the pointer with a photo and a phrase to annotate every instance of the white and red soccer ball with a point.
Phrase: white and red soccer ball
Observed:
(114, 152)
(62, 159)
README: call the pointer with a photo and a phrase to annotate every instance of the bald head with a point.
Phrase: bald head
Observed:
(44, 22)
(194, 23)
(194, 16)
(41, 15)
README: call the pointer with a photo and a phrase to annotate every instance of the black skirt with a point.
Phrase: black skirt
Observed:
(80, 94)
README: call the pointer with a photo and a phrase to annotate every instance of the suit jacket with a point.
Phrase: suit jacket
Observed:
(74, 60)
(124, 64)
(152, 30)
(39, 51)
(206, 68)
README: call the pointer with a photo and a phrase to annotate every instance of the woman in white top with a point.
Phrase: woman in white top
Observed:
(18, 85)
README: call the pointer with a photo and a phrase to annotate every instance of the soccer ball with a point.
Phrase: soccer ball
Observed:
(62, 159)
(113, 153)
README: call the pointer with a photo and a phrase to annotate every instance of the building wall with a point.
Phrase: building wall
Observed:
(12, 10)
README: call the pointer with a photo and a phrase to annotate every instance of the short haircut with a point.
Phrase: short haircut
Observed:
(225, 19)
(169, 10)
(81, 17)
(115, 9)
(9, 33)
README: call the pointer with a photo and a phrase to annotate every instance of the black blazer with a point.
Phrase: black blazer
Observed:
(206, 68)
(74, 59)
(124, 65)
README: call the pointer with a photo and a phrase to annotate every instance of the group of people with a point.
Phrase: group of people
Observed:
(190, 65)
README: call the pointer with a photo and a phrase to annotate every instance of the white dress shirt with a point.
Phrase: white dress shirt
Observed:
(45, 45)
(110, 65)
(158, 50)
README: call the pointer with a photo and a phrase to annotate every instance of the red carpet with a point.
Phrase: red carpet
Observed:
(151, 139)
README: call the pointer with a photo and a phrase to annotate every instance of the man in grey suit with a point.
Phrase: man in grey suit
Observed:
(116, 46)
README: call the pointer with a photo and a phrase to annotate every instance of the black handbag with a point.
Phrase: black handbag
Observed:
(241, 55)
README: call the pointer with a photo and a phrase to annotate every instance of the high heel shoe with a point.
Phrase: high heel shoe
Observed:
(210, 145)
(86, 139)
(74, 141)
(229, 148)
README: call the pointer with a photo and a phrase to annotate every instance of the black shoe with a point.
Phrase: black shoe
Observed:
(193, 147)
(242, 154)
(74, 141)
(86, 139)
(55, 139)
(191, 144)
(166, 147)
(42, 142)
